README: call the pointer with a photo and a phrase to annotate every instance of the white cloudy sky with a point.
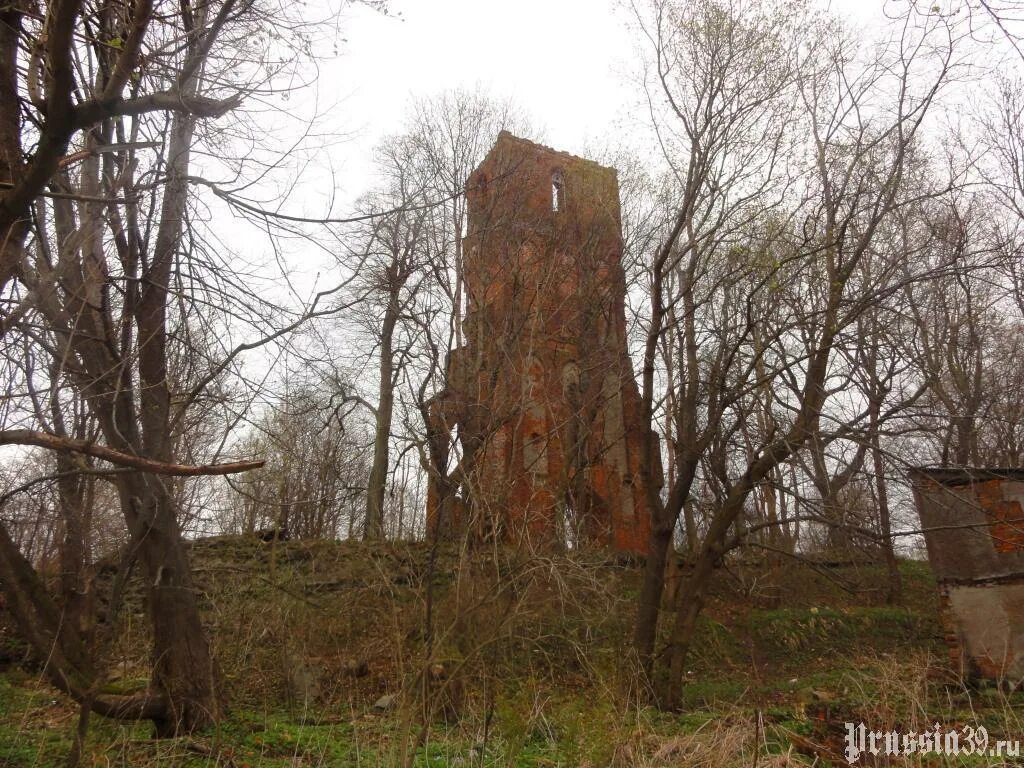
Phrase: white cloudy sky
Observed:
(569, 64)
(564, 61)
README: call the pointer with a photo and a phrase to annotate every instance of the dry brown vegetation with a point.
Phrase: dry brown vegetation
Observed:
(523, 666)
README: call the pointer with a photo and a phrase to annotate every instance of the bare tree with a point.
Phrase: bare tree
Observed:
(103, 277)
(394, 256)
(769, 264)
(313, 483)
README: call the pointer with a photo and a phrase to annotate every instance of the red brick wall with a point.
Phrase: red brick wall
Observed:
(547, 407)
(1007, 517)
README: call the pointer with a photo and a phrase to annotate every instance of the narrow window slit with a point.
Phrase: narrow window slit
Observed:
(557, 192)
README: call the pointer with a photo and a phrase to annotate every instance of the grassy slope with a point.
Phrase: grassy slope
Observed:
(533, 666)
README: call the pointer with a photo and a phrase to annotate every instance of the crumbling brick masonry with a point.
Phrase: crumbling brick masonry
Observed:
(541, 393)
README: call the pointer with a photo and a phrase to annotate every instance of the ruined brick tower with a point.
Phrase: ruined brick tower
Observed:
(542, 393)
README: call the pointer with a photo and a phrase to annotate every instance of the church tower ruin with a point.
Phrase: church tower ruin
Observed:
(542, 395)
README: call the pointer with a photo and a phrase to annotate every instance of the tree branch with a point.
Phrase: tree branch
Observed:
(57, 443)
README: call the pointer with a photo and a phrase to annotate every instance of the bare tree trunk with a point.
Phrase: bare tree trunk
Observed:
(377, 485)
(71, 492)
(15, 226)
(68, 664)
(894, 593)
(646, 631)
(183, 666)
(689, 604)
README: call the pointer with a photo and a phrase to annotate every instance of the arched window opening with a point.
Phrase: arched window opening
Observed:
(557, 192)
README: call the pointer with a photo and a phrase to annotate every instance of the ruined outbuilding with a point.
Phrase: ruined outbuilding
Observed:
(541, 393)
(973, 526)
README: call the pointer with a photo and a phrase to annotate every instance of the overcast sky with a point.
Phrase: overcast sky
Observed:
(563, 61)
(570, 65)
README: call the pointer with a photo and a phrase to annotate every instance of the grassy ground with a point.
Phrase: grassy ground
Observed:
(525, 666)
